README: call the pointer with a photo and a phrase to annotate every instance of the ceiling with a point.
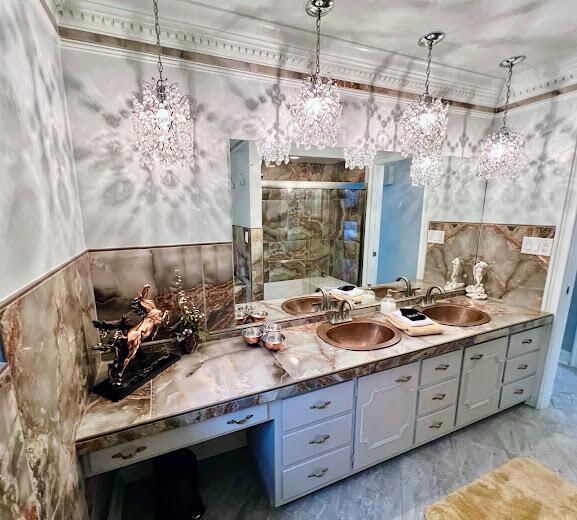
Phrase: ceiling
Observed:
(382, 35)
(479, 32)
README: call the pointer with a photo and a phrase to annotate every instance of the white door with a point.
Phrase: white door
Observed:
(481, 380)
(385, 414)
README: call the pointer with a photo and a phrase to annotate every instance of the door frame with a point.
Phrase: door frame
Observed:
(559, 289)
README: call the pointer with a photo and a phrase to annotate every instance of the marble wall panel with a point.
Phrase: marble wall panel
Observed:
(17, 495)
(257, 265)
(47, 335)
(461, 239)
(309, 171)
(218, 285)
(242, 260)
(511, 275)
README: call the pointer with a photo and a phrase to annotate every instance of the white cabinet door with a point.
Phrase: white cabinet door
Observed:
(481, 380)
(385, 414)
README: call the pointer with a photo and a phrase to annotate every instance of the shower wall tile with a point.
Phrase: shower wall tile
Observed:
(17, 496)
(47, 334)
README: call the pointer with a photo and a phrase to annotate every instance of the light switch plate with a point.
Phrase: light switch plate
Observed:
(436, 237)
(537, 246)
(246, 237)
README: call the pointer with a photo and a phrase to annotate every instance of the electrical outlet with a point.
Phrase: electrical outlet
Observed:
(435, 236)
(537, 246)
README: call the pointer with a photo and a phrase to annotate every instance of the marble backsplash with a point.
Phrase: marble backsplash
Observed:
(511, 275)
(47, 334)
(207, 277)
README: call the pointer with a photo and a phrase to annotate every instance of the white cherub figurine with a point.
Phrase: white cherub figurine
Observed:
(477, 291)
(454, 283)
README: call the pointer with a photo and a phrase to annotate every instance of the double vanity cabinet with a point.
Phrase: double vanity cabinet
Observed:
(328, 434)
(308, 440)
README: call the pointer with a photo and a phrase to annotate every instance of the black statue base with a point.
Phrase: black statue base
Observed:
(141, 370)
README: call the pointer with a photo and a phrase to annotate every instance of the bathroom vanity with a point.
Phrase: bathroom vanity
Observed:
(315, 414)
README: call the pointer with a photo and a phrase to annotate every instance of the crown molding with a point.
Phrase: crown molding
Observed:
(257, 41)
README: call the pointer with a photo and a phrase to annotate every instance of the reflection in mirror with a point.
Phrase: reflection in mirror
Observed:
(313, 224)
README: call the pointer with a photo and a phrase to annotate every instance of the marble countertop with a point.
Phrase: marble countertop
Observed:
(225, 376)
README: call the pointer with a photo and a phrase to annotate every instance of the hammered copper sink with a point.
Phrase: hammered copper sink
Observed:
(456, 315)
(302, 305)
(360, 334)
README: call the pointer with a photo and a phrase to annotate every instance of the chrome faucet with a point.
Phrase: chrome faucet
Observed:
(341, 314)
(326, 302)
(409, 291)
(429, 298)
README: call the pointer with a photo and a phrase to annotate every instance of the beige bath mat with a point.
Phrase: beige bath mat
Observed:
(521, 489)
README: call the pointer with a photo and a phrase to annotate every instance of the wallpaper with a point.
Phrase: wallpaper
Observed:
(40, 220)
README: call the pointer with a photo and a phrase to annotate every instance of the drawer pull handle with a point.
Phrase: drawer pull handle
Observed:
(320, 406)
(319, 473)
(320, 439)
(477, 356)
(240, 421)
(527, 341)
(443, 366)
(436, 425)
(130, 455)
(404, 379)
(523, 367)
(519, 392)
(439, 397)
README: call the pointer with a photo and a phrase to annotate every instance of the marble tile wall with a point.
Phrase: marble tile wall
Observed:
(312, 232)
(207, 273)
(510, 275)
(47, 334)
(305, 171)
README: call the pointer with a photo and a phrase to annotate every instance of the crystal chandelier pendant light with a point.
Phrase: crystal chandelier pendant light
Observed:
(502, 153)
(316, 109)
(423, 125)
(273, 152)
(426, 170)
(359, 157)
(162, 120)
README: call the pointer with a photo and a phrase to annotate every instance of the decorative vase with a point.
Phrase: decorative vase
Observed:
(189, 344)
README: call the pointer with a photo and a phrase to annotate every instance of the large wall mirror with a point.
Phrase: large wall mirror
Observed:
(313, 224)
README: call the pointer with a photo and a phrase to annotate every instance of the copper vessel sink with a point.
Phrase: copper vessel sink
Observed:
(360, 334)
(456, 315)
(302, 305)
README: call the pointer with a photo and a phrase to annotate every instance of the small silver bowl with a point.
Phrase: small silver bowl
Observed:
(271, 326)
(273, 340)
(240, 317)
(258, 316)
(252, 335)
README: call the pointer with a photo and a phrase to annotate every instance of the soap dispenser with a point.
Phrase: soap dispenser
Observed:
(368, 296)
(388, 303)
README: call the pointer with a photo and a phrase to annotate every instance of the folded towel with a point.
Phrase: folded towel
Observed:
(412, 323)
(435, 328)
(355, 294)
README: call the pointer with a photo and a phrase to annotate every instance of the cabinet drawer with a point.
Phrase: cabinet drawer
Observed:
(317, 439)
(517, 392)
(521, 367)
(434, 425)
(441, 367)
(317, 405)
(438, 397)
(316, 472)
(526, 341)
(148, 447)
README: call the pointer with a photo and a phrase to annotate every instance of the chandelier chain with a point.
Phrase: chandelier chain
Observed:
(428, 73)
(158, 46)
(318, 64)
(510, 76)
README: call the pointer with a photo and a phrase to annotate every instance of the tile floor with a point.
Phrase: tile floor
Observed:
(399, 489)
